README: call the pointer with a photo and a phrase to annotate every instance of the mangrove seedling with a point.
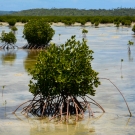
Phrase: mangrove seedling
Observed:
(121, 63)
(84, 32)
(61, 77)
(121, 68)
(59, 36)
(130, 43)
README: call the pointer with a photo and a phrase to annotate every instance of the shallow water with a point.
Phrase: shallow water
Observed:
(110, 46)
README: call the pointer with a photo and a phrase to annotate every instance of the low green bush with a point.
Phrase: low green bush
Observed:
(12, 22)
(38, 32)
(96, 24)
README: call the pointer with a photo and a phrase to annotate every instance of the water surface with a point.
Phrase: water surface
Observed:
(110, 46)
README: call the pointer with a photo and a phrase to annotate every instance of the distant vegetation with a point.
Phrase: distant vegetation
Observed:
(72, 12)
(69, 20)
(6, 12)
(119, 16)
(76, 12)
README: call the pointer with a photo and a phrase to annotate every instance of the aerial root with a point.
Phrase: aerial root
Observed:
(59, 107)
(8, 46)
(33, 46)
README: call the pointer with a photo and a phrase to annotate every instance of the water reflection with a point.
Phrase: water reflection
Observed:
(102, 124)
(41, 126)
(107, 124)
(59, 129)
(121, 74)
(130, 57)
(8, 58)
(30, 60)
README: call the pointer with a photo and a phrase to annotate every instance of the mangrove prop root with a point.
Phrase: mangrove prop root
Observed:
(33, 46)
(120, 93)
(8, 46)
(58, 106)
(20, 106)
(97, 104)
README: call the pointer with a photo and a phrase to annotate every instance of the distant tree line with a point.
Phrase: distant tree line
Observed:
(76, 12)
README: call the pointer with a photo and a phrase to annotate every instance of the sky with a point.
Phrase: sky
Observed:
(17, 5)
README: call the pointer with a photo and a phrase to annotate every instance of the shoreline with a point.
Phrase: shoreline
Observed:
(62, 24)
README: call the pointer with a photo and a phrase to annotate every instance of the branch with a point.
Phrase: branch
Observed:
(120, 93)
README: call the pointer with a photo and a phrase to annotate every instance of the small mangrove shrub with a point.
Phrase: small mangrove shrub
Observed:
(9, 39)
(61, 75)
(38, 33)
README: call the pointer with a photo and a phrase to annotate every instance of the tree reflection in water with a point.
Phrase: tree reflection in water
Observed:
(8, 57)
(40, 126)
(130, 56)
(30, 60)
